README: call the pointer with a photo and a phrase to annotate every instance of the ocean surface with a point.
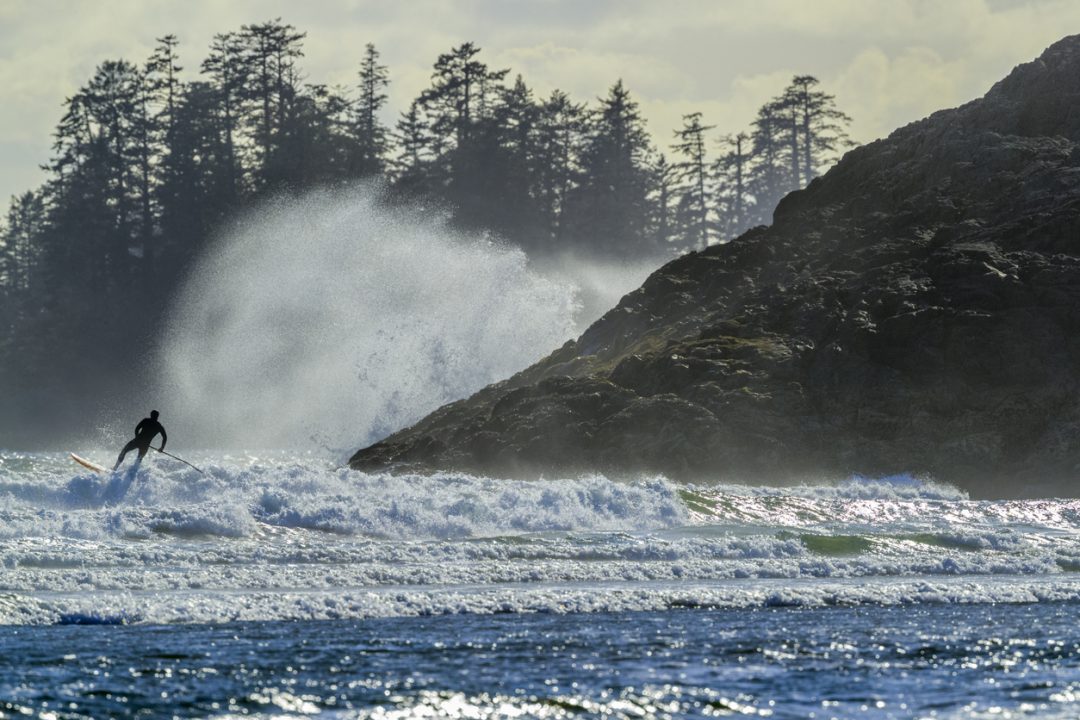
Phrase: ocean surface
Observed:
(280, 586)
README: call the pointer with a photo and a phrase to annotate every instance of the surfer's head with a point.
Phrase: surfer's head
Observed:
(153, 414)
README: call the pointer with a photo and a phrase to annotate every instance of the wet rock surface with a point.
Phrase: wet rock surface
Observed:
(916, 309)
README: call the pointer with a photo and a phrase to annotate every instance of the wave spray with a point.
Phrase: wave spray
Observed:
(336, 319)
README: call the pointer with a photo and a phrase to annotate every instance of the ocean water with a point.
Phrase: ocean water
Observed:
(280, 586)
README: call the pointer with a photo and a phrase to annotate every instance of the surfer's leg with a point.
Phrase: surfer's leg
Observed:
(143, 447)
(127, 448)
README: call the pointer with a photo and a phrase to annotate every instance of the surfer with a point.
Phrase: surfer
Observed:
(145, 431)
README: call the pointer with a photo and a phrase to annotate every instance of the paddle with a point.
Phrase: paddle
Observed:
(178, 458)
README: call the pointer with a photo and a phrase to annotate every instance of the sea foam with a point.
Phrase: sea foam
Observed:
(291, 536)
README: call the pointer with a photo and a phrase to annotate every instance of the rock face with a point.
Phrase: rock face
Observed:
(916, 309)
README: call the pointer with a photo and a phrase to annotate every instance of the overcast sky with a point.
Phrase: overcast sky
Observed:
(887, 61)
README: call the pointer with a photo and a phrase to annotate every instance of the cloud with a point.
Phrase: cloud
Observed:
(888, 61)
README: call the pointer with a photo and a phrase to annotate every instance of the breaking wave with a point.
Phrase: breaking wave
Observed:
(289, 536)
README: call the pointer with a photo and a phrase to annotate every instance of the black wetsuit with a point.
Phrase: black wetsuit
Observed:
(145, 431)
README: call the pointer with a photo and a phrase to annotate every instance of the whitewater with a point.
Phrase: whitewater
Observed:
(288, 547)
(288, 537)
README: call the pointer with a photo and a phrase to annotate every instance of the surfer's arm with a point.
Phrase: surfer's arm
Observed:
(164, 437)
(139, 426)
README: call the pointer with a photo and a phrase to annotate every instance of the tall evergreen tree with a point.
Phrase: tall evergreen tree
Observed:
(506, 197)
(787, 116)
(731, 172)
(560, 129)
(227, 69)
(163, 72)
(370, 134)
(19, 242)
(692, 176)
(821, 126)
(97, 164)
(460, 86)
(198, 176)
(270, 51)
(411, 166)
(610, 209)
(319, 143)
(456, 108)
(163, 90)
(664, 189)
(769, 179)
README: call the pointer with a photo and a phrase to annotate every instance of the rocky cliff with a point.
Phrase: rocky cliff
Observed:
(916, 309)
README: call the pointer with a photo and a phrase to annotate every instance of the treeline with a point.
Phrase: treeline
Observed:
(148, 160)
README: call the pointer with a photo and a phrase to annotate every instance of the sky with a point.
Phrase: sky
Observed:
(888, 62)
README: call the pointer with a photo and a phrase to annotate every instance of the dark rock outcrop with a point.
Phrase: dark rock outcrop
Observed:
(915, 309)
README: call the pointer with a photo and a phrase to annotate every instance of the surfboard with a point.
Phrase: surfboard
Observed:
(89, 464)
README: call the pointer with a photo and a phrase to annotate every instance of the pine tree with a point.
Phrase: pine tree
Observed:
(459, 90)
(560, 131)
(663, 223)
(162, 90)
(787, 115)
(198, 176)
(821, 126)
(148, 149)
(412, 165)
(610, 210)
(228, 71)
(769, 180)
(164, 76)
(98, 160)
(370, 134)
(19, 242)
(731, 172)
(270, 50)
(464, 135)
(506, 153)
(691, 175)
(319, 143)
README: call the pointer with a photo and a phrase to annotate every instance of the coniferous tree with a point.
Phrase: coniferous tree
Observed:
(165, 89)
(163, 72)
(821, 126)
(24, 297)
(464, 135)
(787, 117)
(371, 136)
(460, 83)
(560, 128)
(227, 69)
(412, 166)
(731, 173)
(768, 174)
(98, 147)
(19, 250)
(148, 149)
(319, 143)
(270, 51)
(453, 105)
(610, 208)
(507, 193)
(692, 176)
(666, 177)
(198, 176)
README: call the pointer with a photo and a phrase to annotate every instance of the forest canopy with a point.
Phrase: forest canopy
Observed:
(149, 158)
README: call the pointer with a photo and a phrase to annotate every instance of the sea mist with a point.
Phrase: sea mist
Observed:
(331, 320)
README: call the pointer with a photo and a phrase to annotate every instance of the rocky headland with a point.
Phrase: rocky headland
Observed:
(916, 309)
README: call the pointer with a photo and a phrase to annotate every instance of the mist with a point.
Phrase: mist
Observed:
(330, 320)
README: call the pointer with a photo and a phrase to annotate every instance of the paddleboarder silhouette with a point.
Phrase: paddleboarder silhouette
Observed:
(145, 431)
